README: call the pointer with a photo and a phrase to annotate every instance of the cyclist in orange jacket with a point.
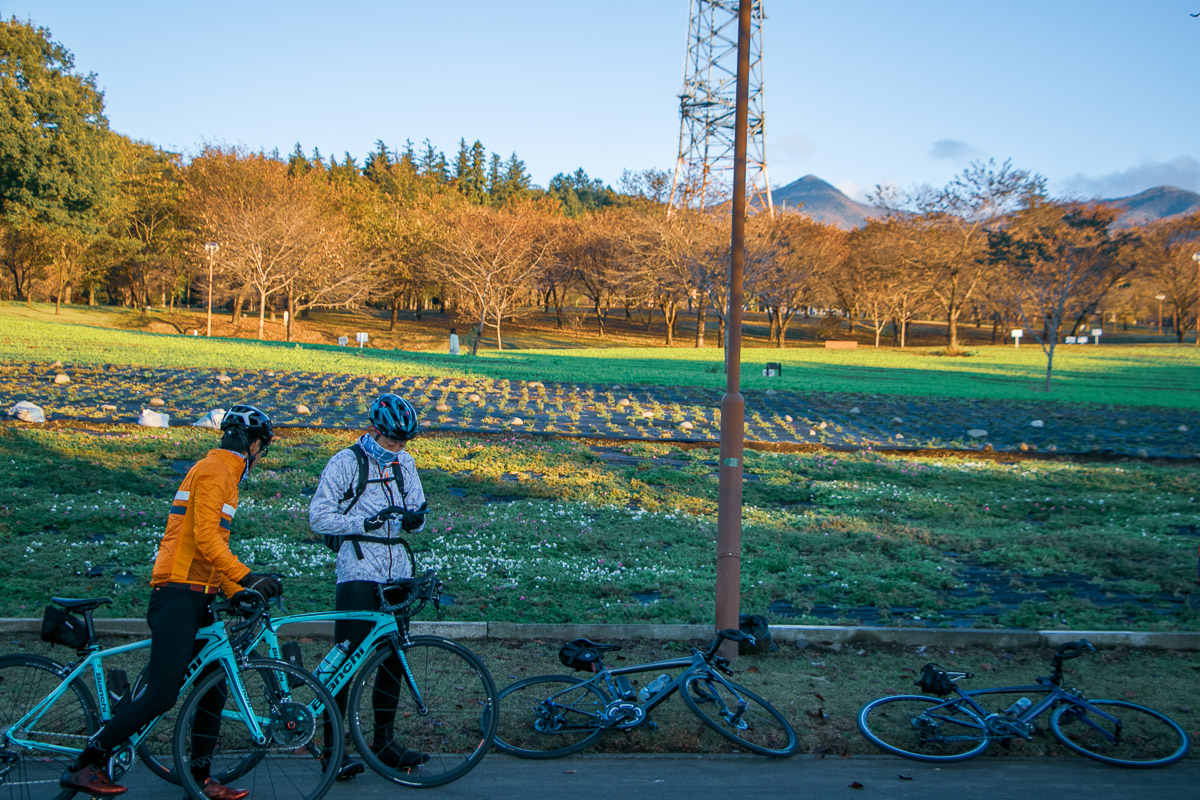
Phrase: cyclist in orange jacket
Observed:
(194, 562)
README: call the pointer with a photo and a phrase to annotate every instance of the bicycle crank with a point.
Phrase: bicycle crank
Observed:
(292, 725)
(624, 714)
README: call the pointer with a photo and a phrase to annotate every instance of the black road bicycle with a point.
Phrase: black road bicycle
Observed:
(944, 728)
(557, 715)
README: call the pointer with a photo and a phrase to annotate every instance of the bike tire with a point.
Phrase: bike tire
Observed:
(158, 757)
(25, 680)
(924, 728)
(577, 716)
(739, 715)
(304, 745)
(453, 724)
(1148, 738)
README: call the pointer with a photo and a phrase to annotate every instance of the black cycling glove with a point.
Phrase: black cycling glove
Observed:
(411, 520)
(266, 585)
(377, 521)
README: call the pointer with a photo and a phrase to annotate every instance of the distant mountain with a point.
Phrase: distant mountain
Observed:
(823, 202)
(1154, 204)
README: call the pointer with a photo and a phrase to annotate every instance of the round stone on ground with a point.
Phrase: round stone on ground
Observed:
(1143, 453)
(1182, 429)
(302, 409)
(516, 421)
(854, 411)
(56, 365)
(686, 426)
(27, 412)
(623, 402)
(1037, 423)
(648, 415)
(62, 379)
(157, 401)
(897, 420)
(787, 417)
(474, 398)
(442, 407)
(108, 407)
(224, 379)
(976, 433)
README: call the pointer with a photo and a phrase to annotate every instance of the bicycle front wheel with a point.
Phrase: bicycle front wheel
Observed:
(295, 713)
(739, 715)
(426, 717)
(1120, 733)
(28, 772)
(550, 716)
(924, 728)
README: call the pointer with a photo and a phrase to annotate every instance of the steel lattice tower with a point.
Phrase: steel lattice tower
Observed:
(704, 169)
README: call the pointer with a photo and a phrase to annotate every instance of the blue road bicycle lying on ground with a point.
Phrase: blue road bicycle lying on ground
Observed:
(556, 715)
(939, 729)
(279, 732)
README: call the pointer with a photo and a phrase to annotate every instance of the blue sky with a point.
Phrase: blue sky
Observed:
(1099, 97)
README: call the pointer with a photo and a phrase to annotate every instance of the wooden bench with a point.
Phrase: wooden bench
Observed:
(836, 344)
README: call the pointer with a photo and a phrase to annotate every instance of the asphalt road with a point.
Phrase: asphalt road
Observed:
(744, 777)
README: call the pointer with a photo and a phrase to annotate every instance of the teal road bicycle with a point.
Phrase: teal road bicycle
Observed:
(422, 694)
(264, 723)
(944, 728)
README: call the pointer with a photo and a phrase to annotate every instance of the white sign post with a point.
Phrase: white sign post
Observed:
(1016, 334)
(1096, 332)
(343, 341)
(361, 336)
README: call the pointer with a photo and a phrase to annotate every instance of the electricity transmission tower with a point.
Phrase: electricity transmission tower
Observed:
(704, 170)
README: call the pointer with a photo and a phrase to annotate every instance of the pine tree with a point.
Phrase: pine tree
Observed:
(297, 163)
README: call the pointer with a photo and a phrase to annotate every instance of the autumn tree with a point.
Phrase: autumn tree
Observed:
(805, 254)
(1167, 249)
(1059, 260)
(947, 230)
(493, 258)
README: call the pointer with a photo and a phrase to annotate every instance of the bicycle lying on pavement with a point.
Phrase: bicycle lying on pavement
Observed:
(440, 697)
(556, 715)
(935, 729)
(277, 732)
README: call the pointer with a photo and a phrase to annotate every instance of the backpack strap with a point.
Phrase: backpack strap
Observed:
(353, 494)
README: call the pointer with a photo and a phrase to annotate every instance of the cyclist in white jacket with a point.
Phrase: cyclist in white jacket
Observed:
(369, 512)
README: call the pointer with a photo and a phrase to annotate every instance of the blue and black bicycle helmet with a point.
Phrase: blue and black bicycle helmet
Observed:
(250, 422)
(394, 417)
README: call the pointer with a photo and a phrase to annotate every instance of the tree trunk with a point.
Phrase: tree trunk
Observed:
(91, 295)
(479, 329)
(239, 300)
(262, 310)
(395, 312)
(599, 320)
(780, 343)
(291, 312)
(952, 330)
(701, 313)
(558, 307)
(670, 309)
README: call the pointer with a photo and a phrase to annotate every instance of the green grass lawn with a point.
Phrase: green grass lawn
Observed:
(1134, 375)
(538, 530)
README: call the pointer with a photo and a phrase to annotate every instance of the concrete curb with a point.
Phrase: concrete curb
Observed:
(824, 634)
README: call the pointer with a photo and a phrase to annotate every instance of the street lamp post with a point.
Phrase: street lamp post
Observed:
(1196, 258)
(1160, 298)
(211, 248)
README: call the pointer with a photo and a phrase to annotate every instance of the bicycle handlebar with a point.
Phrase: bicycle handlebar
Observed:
(417, 592)
(732, 635)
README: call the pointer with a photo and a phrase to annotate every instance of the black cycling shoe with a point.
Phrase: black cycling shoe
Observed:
(395, 757)
(349, 769)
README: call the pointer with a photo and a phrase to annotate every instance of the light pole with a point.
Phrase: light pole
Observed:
(1160, 298)
(1196, 258)
(211, 248)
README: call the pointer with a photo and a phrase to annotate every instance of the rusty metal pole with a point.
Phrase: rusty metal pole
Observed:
(733, 411)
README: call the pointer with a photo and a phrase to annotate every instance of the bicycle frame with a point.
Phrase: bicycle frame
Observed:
(603, 679)
(1055, 694)
(216, 650)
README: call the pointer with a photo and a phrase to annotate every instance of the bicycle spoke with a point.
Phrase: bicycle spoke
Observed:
(549, 716)
(923, 728)
(1120, 733)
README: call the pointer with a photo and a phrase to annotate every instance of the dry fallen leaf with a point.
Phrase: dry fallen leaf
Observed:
(906, 777)
(856, 785)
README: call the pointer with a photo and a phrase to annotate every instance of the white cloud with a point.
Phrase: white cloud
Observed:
(852, 190)
(793, 147)
(1182, 172)
(952, 150)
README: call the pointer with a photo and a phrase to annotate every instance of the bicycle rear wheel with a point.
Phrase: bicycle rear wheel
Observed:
(550, 716)
(924, 728)
(29, 773)
(425, 718)
(1139, 736)
(294, 711)
(739, 715)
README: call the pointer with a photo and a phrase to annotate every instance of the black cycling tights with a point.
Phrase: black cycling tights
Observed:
(364, 596)
(174, 616)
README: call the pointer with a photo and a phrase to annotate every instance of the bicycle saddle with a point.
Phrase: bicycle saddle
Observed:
(603, 648)
(82, 605)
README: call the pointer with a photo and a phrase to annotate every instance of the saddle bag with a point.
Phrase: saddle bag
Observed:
(577, 654)
(59, 627)
(934, 680)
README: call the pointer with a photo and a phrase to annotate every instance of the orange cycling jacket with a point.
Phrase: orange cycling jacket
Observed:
(195, 548)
